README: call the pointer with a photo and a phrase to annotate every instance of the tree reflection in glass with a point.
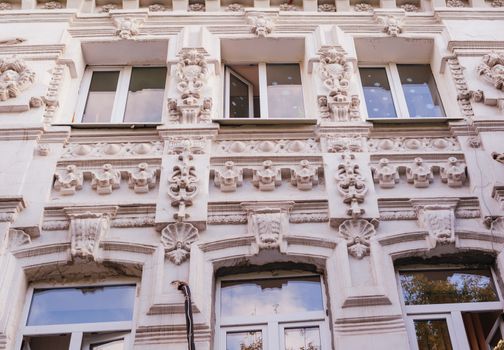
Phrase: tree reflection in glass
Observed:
(271, 296)
(432, 334)
(447, 286)
(251, 340)
(302, 338)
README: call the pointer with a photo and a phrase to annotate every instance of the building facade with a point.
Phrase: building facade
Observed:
(323, 174)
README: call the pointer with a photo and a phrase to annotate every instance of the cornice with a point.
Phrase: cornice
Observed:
(469, 13)
(21, 132)
(37, 16)
(474, 48)
(10, 206)
(34, 52)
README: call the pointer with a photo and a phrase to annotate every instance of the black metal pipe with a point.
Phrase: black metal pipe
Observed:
(186, 291)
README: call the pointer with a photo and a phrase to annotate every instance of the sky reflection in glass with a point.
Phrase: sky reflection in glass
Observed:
(81, 305)
(271, 296)
(377, 93)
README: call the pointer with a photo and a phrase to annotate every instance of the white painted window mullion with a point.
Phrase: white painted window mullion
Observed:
(121, 95)
(83, 95)
(458, 335)
(263, 90)
(227, 92)
(75, 341)
(397, 92)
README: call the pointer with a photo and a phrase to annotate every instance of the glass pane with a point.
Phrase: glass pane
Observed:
(432, 334)
(53, 342)
(302, 339)
(479, 325)
(100, 100)
(145, 94)
(377, 93)
(81, 305)
(271, 296)
(243, 78)
(447, 286)
(111, 345)
(420, 91)
(285, 92)
(244, 340)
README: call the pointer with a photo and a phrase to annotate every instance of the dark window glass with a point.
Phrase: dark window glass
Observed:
(447, 286)
(377, 93)
(419, 87)
(81, 305)
(271, 296)
(45, 342)
(285, 92)
(432, 334)
(244, 91)
(100, 100)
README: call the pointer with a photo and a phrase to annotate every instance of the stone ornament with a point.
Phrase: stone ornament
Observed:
(183, 185)
(156, 8)
(340, 144)
(386, 174)
(17, 238)
(464, 95)
(142, 179)
(261, 25)
(127, 27)
(191, 72)
(351, 185)
(391, 25)
(410, 7)
(268, 177)
(43, 149)
(304, 176)
(406, 144)
(491, 69)
(453, 172)
(229, 177)
(267, 225)
(196, 7)
(439, 220)
(235, 7)
(177, 239)
(498, 3)
(52, 5)
(106, 150)
(497, 225)
(5, 6)
(363, 7)
(357, 233)
(15, 77)
(419, 174)
(86, 232)
(269, 146)
(336, 72)
(179, 145)
(288, 7)
(455, 3)
(69, 181)
(106, 180)
(327, 8)
(108, 7)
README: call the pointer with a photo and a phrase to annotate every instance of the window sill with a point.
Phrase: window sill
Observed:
(412, 120)
(258, 121)
(109, 125)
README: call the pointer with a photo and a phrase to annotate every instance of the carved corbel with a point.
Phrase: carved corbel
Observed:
(142, 179)
(17, 238)
(177, 239)
(438, 217)
(391, 25)
(68, 181)
(268, 177)
(419, 174)
(304, 176)
(386, 174)
(127, 27)
(351, 185)
(261, 25)
(357, 234)
(229, 177)
(183, 185)
(453, 172)
(105, 180)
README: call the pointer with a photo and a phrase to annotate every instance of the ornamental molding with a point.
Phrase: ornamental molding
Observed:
(357, 233)
(10, 207)
(385, 174)
(437, 216)
(412, 144)
(177, 239)
(419, 174)
(464, 96)
(305, 175)
(105, 180)
(392, 25)
(229, 177)
(15, 77)
(181, 144)
(491, 69)
(17, 238)
(351, 185)
(261, 25)
(128, 28)
(68, 181)
(453, 172)
(344, 144)
(112, 150)
(183, 185)
(142, 179)
(267, 177)
(279, 146)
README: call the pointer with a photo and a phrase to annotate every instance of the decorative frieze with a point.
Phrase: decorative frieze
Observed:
(198, 7)
(52, 5)
(156, 8)
(268, 146)
(183, 185)
(261, 25)
(235, 7)
(128, 27)
(409, 144)
(453, 172)
(351, 185)
(177, 239)
(68, 181)
(327, 8)
(105, 180)
(385, 174)
(15, 77)
(106, 150)
(228, 177)
(363, 7)
(357, 233)
(410, 7)
(142, 179)
(340, 144)
(267, 177)
(419, 173)
(304, 176)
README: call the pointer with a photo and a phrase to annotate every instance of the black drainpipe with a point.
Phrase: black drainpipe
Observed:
(184, 288)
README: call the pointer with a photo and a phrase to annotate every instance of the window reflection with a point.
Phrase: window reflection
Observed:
(271, 296)
(285, 92)
(377, 93)
(251, 340)
(432, 334)
(81, 305)
(447, 286)
(100, 100)
(302, 338)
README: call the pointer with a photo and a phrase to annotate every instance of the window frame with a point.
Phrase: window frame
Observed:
(120, 97)
(270, 325)
(263, 90)
(452, 312)
(396, 90)
(77, 330)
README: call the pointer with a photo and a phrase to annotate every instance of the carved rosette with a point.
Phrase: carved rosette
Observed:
(261, 25)
(106, 180)
(386, 174)
(268, 177)
(439, 220)
(142, 179)
(127, 27)
(86, 232)
(177, 239)
(453, 172)
(183, 185)
(15, 77)
(491, 69)
(357, 234)
(304, 176)
(229, 177)
(68, 181)
(351, 185)
(419, 174)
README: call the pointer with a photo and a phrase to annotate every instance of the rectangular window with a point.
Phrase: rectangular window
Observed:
(432, 334)
(127, 94)
(401, 91)
(262, 90)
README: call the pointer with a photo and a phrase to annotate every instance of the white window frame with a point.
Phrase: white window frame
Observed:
(272, 326)
(451, 312)
(121, 92)
(263, 88)
(77, 330)
(396, 89)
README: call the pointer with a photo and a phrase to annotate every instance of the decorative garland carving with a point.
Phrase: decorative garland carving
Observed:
(268, 177)
(410, 7)
(235, 7)
(143, 179)
(106, 150)
(351, 185)
(177, 239)
(402, 144)
(327, 8)
(363, 7)
(106, 180)
(183, 185)
(69, 181)
(199, 7)
(491, 69)
(229, 177)
(288, 7)
(52, 5)
(156, 8)
(357, 234)
(15, 77)
(304, 176)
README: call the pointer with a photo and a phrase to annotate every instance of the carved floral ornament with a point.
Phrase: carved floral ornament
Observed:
(391, 25)
(183, 185)
(357, 233)
(177, 239)
(128, 27)
(267, 177)
(304, 176)
(15, 77)
(351, 185)
(491, 69)
(267, 225)
(261, 25)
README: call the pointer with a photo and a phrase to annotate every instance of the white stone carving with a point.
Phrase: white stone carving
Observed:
(43, 149)
(304, 176)
(386, 174)
(419, 174)
(261, 25)
(268, 177)
(351, 185)
(229, 177)
(402, 144)
(105, 180)
(183, 185)
(177, 239)
(106, 150)
(391, 25)
(86, 231)
(363, 7)
(357, 234)
(128, 27)
(439, 220)
(339, 144)
(455, 3)
(491, 69)
(269, 146)
(498, 3)
(327, 8)
(235, 7)
(183, 144)
(192, 71)
(198, 7)
(453, 172)
(410, 7)
(288, 7)
(15, 77)
(464, 96)
(52, 5)
(17, 238)
(108, 7)
(4, 6)
(142, 179)
(69, 180)
(267, 225)
(156, 8)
